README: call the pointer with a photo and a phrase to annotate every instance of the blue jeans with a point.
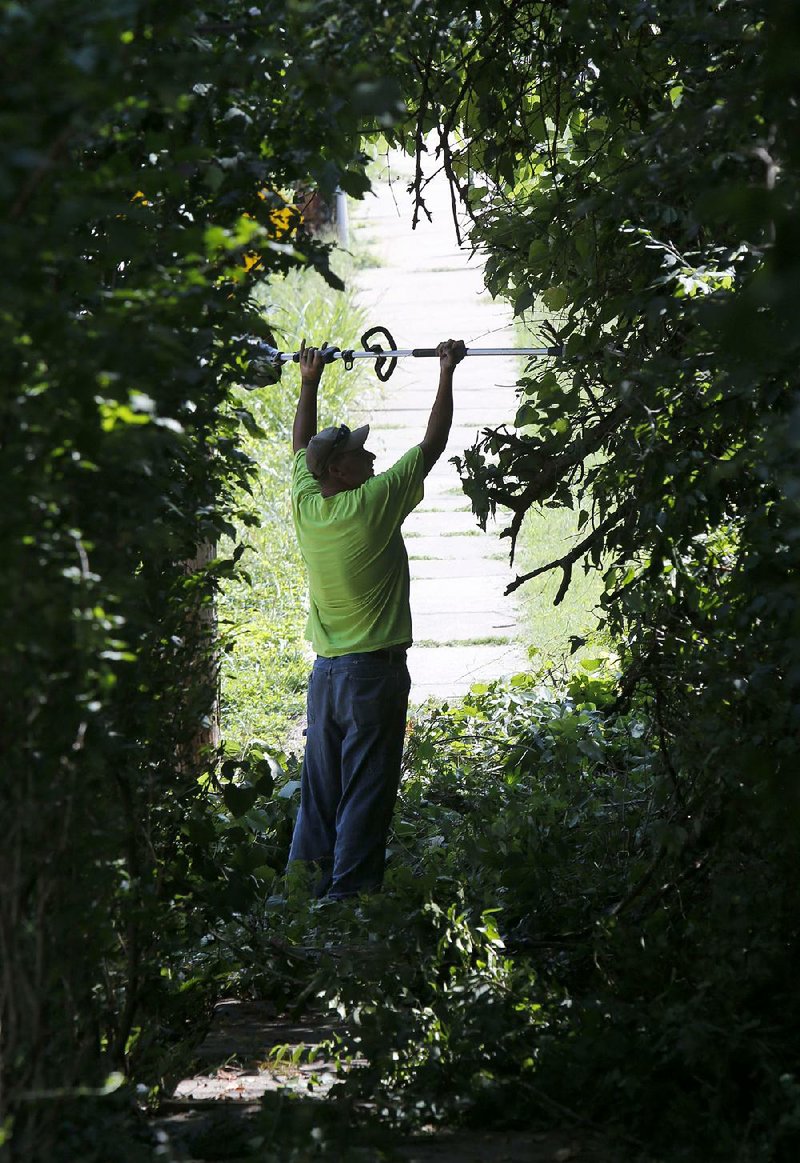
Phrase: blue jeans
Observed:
(357, 708)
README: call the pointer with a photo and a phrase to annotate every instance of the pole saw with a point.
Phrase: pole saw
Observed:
(385, 357)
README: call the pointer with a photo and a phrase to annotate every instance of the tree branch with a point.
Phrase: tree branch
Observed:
(541, 485)
(566, 562)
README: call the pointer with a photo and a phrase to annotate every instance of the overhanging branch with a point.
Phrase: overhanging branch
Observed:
(566, 562)
(542, 483)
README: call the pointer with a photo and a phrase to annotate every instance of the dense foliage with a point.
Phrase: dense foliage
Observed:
(632, 171)
(541, 953)
(635, 178)
(636, 175)
(148, 155)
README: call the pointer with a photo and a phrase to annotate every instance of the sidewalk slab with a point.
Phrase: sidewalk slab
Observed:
(485, 628)
(449, 673)
(441, 524)
(456, 571)
(442, 501)
(466, 600)
(459, 549)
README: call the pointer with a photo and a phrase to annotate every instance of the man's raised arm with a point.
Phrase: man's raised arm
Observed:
(434, 442)
(312, 364)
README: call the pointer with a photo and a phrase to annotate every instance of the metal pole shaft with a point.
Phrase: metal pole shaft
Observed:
(405, 353)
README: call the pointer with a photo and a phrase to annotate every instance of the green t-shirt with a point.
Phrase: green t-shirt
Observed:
(356, 560)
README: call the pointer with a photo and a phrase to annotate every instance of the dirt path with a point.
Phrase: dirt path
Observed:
(213, 1115)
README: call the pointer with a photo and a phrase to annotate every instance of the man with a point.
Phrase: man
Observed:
(348, 526)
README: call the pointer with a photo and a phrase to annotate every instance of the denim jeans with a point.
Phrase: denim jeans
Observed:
(357, 708)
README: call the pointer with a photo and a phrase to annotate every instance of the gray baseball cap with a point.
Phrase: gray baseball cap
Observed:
(332, 442)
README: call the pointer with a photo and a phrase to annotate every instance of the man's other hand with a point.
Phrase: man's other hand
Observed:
(450, 352)
(312, 364)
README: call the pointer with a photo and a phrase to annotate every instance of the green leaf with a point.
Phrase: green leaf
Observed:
(239, 799)
(555, 298)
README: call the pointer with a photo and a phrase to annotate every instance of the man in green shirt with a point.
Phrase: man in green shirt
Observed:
(348, 527)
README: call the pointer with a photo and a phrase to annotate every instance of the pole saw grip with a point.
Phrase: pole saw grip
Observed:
(376, 349)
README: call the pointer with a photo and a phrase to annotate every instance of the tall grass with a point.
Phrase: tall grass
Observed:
(547, 629)
(266, 661)
(546, 535)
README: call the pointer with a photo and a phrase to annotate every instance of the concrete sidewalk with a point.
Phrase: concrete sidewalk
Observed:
(425, 289)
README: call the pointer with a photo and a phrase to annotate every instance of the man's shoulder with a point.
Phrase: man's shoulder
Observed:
(397, 490)
(404, 467)
(302, 481)
(299, 461)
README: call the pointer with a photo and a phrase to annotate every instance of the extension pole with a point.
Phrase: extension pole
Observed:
(386, 357)
(276, 356)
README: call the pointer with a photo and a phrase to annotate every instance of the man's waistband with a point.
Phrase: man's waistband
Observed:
(385, 654)
(390, 653)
